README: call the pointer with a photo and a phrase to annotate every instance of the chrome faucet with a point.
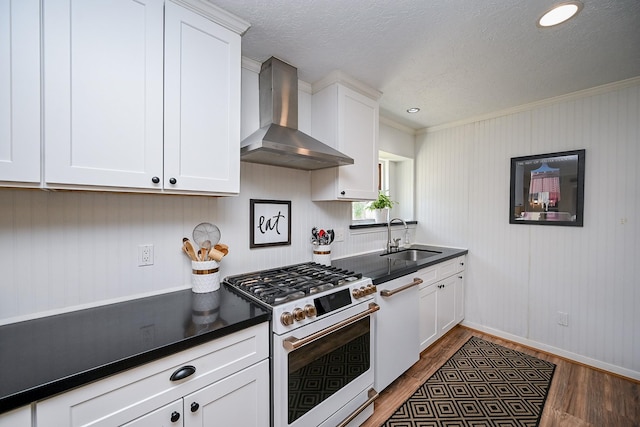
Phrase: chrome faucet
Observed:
(395, 244)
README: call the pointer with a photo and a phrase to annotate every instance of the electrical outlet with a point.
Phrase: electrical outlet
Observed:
(145, 255)
(563, 318)
(339, 234)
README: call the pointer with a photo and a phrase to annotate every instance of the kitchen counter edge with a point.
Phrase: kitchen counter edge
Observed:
(362, 263)
(46, 390)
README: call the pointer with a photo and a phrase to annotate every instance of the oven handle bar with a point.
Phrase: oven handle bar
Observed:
(293, 343)
(373, 395)
(388, 293)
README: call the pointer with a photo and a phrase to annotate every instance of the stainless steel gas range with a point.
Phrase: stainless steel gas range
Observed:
(323, 349)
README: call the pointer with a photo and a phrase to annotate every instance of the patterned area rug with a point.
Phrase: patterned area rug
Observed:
(483, 384)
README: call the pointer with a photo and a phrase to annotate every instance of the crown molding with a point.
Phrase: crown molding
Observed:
(346, 80)
(597, 90)
(216, 14)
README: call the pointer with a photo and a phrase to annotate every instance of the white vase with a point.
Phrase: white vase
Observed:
(381, 215)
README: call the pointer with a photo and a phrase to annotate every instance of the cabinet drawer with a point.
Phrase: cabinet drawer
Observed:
(428, 275)
(130, 394)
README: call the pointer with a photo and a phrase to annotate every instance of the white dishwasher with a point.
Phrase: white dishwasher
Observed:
(397, 345)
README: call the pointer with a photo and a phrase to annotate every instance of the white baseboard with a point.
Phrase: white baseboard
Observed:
(618, 370)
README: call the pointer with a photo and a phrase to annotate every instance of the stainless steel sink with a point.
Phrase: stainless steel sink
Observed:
(411, 254)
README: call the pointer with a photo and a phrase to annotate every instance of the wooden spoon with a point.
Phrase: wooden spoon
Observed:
(188, 248)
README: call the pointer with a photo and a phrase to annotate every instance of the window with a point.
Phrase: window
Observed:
(395, 178)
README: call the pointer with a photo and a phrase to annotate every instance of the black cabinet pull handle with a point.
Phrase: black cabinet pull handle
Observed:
(183, 373)
(459, 277)
(172, 180)
(155, 180)
(194, 406)
(175, 416)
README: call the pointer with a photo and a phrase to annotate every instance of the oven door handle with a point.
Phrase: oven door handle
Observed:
(293, 343)
(388, 293)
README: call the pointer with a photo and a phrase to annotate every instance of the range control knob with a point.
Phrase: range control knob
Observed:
(298, 314)
(358, 292)
(286, 318)
(310, 310)
(369, 289)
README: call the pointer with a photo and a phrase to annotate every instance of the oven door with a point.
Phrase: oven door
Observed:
(325, 369)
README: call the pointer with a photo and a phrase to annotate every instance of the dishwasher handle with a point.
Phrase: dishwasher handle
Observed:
(388, 293)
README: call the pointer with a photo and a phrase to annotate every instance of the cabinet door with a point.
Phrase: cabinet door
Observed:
(202, 104)
(459, 297)
(103, 97)
(170, 415)
(20, 90)
(446, 304)
(241, 399)
(347, 121)
(358, 136)
(428, 328)
(20, 417)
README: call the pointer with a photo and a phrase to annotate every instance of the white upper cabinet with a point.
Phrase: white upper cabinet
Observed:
(103, 92)
(345, 115)
(141, 95)
(202, 103)
(20, 92)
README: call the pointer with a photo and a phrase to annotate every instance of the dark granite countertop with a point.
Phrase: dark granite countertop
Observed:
(382, 269)
(49, 355)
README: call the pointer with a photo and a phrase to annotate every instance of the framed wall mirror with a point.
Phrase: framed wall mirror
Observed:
(548, 189)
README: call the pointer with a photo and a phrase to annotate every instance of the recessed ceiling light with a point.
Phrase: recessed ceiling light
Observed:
(560, 13)
(413, 110)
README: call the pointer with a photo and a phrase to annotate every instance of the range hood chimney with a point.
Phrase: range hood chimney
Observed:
(278, 142)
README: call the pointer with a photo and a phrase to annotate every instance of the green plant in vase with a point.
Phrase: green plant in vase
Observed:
(381, 206)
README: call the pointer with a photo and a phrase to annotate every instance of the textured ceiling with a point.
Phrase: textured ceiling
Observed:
(454, 59)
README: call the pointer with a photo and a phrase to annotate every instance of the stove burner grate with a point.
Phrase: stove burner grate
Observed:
(280, 285)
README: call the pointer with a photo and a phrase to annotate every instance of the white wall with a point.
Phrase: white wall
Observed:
(520, 276)
(65, 250)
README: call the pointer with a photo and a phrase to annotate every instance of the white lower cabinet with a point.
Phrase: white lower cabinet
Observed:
(20, 417)
(229, 385)
(441, 299)
(240, 399)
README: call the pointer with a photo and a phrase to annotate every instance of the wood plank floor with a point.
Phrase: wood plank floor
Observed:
(579, 396)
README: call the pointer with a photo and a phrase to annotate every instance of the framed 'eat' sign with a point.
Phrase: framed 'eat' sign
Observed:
(270, 223)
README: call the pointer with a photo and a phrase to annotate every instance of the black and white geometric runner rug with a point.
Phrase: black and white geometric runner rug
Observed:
(483, 384)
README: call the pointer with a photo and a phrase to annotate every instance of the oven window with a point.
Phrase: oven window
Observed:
(324, 366)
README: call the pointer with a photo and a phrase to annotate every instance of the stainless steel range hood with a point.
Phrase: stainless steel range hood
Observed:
(278, 142)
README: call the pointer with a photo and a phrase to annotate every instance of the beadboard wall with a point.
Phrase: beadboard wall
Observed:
(520, 276)
(66, 250)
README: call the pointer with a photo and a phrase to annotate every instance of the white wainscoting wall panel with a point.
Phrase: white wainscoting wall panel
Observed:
(520, 276)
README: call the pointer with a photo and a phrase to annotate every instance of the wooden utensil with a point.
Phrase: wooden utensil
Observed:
(189, 250)
(215, 254)
(222, 248)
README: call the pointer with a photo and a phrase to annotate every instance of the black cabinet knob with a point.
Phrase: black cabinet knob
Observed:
(175, 416)
(194, 406)
(172, 180)
(155, 180)
(343, 192)
(462, 263)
